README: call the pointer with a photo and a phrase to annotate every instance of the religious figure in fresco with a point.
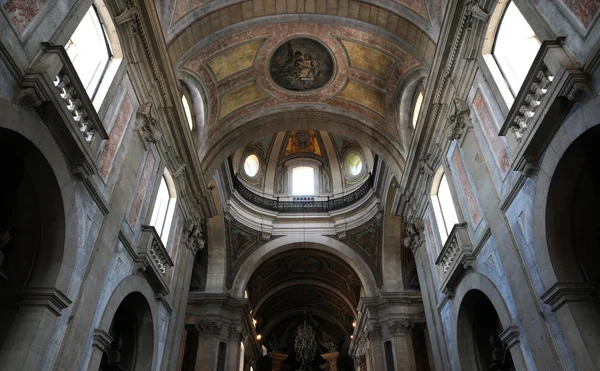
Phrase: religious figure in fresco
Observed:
(302, 141)
(301, 65)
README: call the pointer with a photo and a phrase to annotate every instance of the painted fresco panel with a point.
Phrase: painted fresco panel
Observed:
(584, 10)
(301, 64)
(497, 144)
(22, 12)
(116, 134)
(465, 188)
(140, 191)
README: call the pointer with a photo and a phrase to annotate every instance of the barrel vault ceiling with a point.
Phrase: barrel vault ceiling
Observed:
(224, 49)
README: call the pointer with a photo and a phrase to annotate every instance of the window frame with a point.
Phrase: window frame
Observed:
(439, 212)
(419, 92)
(112, 69)
(169, 210)
(492, 69)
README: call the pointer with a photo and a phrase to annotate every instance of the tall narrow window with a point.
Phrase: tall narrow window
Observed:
(164, 208)
(417, 108)
(303, 181)
(90, 51)
(443, 207)
(188, 111)
(515, 47)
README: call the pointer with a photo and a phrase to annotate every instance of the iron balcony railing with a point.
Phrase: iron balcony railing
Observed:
(304, 206)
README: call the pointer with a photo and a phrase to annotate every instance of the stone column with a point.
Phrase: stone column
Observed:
(277, 359)
(402, 346)
(377, 353)
(208, 344)
(331, 359)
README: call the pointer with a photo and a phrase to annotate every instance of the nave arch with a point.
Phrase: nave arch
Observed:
(294, 242)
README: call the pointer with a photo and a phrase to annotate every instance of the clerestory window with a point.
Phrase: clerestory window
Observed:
(443, 207)
(303, 181)
(164, 208)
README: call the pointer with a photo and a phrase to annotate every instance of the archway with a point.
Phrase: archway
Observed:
(478, 329)
(573, 235)
(132, 331)
(32, 228)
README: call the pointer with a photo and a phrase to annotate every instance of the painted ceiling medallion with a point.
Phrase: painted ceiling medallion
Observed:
(301, 65)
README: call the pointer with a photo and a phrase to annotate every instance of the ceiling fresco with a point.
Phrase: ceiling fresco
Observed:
(301, 65)
(369, 69)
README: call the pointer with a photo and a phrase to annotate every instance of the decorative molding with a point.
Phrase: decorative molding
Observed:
(562, 293)
(47, 297)
(237, 333)
(27, 97)
(102, 340)
(209, 327)
(400, 327)
(458, 120)
(193, 236)
(413, 235)
(148, 126)
(509, 337)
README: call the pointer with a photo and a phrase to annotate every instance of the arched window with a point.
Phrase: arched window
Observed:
(188, 111)
(443, 205)
(93, 54)
(303, 181)
(510, 50)
(164, 208)
(418, 103)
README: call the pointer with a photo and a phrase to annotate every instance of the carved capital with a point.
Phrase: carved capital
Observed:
(209, 327)
(48, 297)
(413, 236)
(148, 126)
(509, 337)
(458, 120)
(237, 333)
(562, 293)
(193, 236)
(400, 327)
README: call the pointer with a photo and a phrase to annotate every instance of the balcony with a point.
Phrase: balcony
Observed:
(455, 258)
(554, 83)
(152, 259)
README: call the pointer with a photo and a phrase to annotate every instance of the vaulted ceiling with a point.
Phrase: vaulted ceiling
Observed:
(299, 280)
(225, 49)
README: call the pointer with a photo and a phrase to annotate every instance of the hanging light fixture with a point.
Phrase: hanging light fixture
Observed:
(305, 346)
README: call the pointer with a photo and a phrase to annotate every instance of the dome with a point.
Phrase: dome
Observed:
(303, 163)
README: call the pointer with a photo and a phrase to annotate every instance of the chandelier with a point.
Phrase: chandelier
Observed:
(305, 346)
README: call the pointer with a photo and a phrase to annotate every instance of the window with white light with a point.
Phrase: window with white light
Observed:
(417, 108)
(303, 181)
(90, 51)
(443, 207)
(515, 47)
(188, 111)
(251, 165)
(354, 164)
(164, 208)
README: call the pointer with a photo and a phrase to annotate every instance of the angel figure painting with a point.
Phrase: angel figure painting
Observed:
(301, 64)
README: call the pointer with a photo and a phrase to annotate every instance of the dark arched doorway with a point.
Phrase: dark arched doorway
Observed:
(573, 234)
(132, 332)
(32, 230)
(478, 340)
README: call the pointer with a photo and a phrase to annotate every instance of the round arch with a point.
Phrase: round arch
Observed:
(316, 242)
(571, 130)
(291, 117)
(475, 281)
(134, 284)
(62, 261)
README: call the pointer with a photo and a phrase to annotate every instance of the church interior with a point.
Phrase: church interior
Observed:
(299, 185)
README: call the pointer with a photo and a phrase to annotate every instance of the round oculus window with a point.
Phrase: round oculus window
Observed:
(354, 164)
(251, 165)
